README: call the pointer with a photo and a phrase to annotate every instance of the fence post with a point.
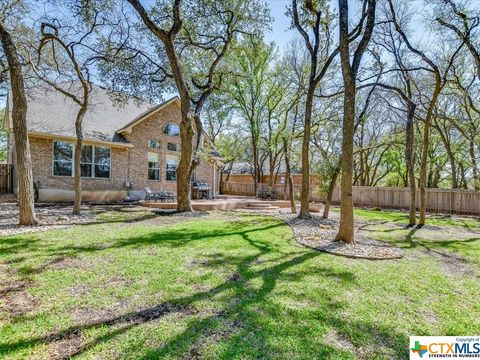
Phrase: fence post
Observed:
(451, 201)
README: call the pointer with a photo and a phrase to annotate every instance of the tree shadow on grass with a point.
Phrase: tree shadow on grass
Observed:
(239, 315)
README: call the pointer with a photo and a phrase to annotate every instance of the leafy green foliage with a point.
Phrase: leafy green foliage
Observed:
(142, 65)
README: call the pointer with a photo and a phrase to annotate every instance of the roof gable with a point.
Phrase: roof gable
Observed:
(127, 129)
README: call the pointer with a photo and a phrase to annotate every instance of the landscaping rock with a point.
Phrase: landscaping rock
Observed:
(318, 233)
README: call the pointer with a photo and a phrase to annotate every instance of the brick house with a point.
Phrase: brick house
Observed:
(126, 147)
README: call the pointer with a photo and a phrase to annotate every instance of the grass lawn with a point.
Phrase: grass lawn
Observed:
(232, 286)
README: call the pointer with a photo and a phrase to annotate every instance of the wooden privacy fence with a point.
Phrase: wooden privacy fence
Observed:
(231, 188)
(456, 201)
(6, 178)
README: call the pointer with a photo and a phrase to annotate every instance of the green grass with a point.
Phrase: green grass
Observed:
(215, 287)
(402, 217)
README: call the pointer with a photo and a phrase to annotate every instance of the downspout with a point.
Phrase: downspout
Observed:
(214, 178)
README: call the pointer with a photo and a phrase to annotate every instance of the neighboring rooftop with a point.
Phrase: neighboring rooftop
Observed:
(239, 168)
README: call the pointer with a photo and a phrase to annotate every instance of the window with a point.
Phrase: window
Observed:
(171, 129)
(62, 158)
(102, 162)
(172, 147)
(153, 166)
(86, 160)
(154, 144)
(94, 161)
(172, 164)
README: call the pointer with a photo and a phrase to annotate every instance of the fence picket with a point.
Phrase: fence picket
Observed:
(457, 201)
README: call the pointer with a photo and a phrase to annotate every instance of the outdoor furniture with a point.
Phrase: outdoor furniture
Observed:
(161, 195)
(200, 190)
(268, 194)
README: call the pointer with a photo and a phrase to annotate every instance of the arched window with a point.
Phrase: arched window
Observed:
(171, 129)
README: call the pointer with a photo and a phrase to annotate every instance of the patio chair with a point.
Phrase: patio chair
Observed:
(168, 196)
(162, 195)
(150, 195)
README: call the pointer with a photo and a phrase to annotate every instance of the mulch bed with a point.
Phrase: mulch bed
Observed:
(318, 233)
(49, 218)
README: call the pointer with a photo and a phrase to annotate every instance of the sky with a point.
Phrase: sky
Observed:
(280, 34)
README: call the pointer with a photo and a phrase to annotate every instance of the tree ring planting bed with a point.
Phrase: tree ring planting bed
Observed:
(319, 234)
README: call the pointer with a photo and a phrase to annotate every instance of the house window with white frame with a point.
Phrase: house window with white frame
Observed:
(171, 129)
(95, 161)
(172, 164)
(173, 147)
(153, 166)
(154, 144)
(62, 158)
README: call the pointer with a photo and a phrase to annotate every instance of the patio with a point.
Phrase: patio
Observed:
(224, 202)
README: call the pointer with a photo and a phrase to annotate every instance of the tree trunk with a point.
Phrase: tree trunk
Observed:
(256, 170)
(184, 170)
(349, 74)
(271, 179)
(331, 188)
(20, 132)
(288, 175)
(346, 229)
(305, 192)
(451, 156)
(476, 183)
(410, 162)
(78, 156)
(425, 148)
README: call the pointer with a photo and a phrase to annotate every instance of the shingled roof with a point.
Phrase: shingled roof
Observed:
(52, 113)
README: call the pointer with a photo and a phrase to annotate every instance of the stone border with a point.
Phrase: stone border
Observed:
(318, 234)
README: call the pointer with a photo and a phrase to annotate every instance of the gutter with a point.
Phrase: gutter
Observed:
(85, 141)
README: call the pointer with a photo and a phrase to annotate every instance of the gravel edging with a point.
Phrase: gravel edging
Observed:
(319, 234)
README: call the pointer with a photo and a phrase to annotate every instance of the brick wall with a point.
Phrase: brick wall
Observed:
(131, 164)
(41, 150)
(152, 129)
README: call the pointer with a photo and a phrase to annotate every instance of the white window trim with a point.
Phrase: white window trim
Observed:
(73, 160)
(159, 168)
(54, 161)
(177, 147)
(166, 167)
(171, 123)
(159, 144)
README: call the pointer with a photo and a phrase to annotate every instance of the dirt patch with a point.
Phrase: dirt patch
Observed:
(71, 262)
(14, 299)
(118, 281)
(195, 263)
(83, 316)
(65, 347)
(235, 277)
(339, 341)
(450, 263)
(79, 290)
(17, 303)
(224, 330)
